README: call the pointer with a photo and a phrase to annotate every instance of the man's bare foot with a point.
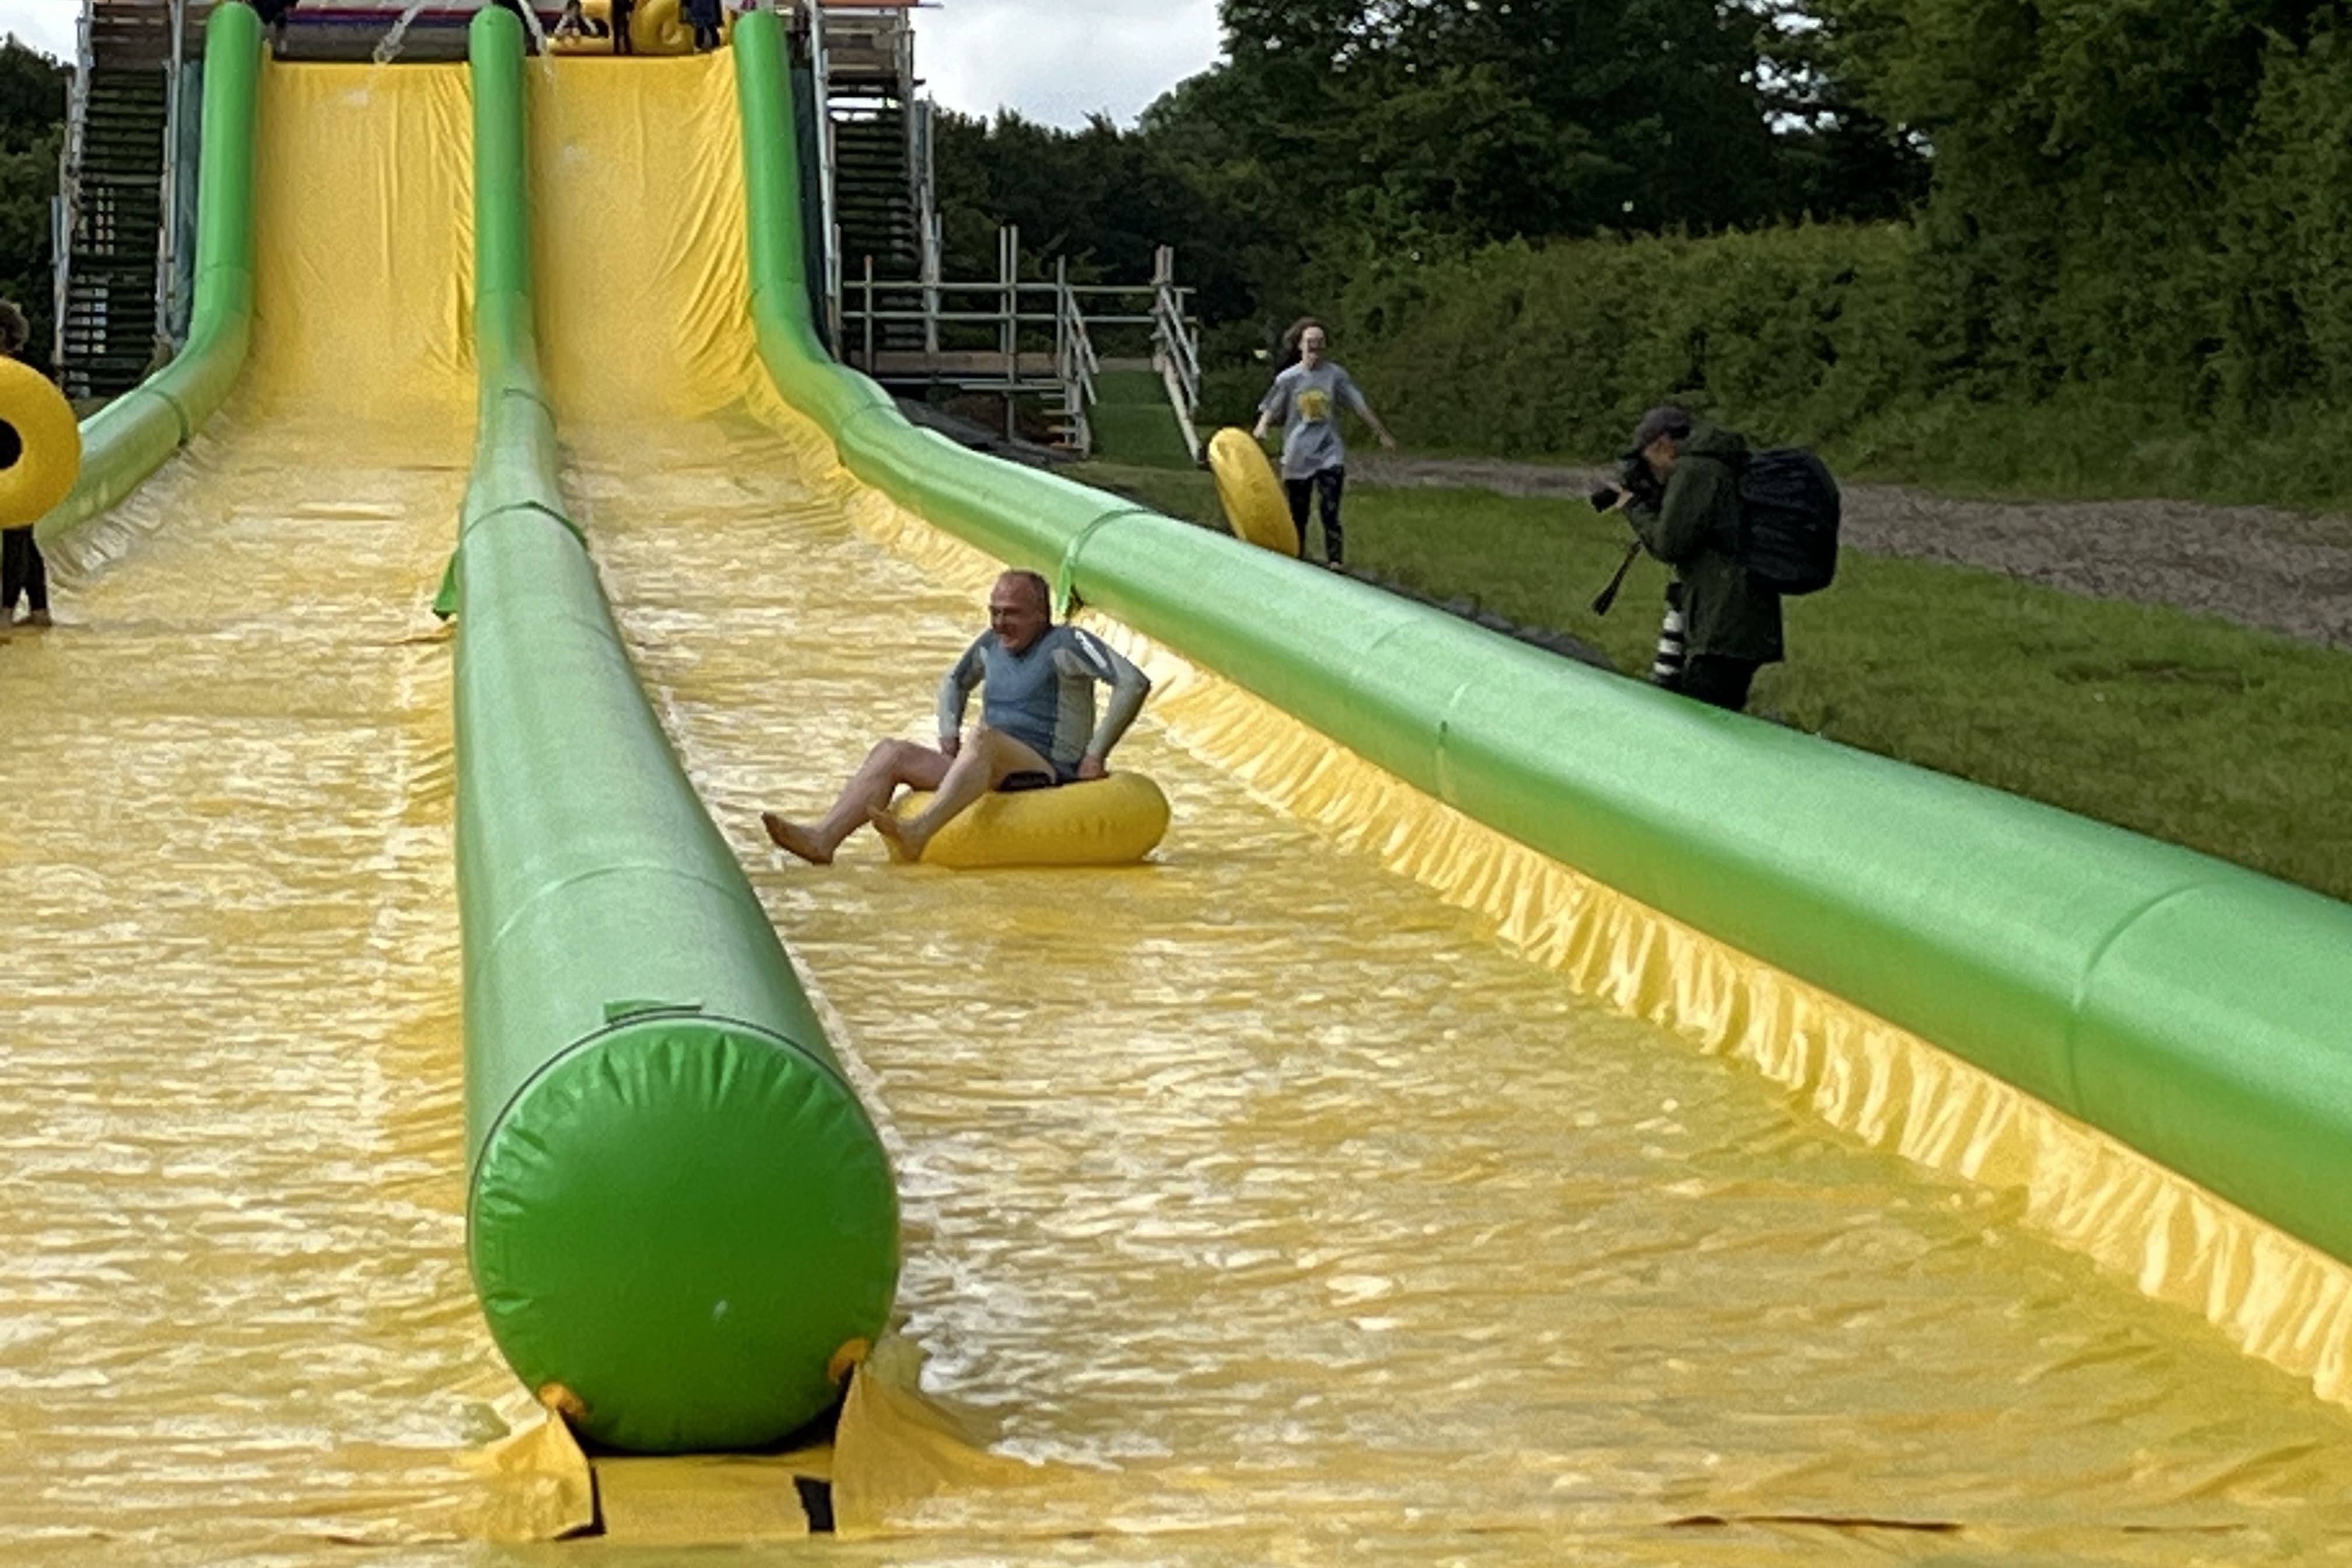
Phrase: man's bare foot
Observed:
(905, 843)
(793, 838)
(38, 620)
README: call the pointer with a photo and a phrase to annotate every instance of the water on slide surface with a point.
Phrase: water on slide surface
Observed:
(1270, 1197)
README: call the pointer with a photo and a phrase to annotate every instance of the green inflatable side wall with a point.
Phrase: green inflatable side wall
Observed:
(129, 439)
(678, 1212)
(2200, 1013)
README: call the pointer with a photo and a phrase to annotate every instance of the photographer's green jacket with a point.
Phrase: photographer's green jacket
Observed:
(1695, 530)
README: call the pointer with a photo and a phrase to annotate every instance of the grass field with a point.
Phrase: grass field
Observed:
(2180, 726)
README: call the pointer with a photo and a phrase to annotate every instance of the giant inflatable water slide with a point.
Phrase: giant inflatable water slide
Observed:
(1514, 1107)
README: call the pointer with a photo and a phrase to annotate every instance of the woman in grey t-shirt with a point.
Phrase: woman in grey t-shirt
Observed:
(1307, 398)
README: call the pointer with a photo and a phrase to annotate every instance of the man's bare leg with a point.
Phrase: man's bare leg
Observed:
(987, 760)
(889, 764)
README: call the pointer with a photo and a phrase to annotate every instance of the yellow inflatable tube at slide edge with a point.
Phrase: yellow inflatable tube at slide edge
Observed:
(1112, 821)
(41, 445)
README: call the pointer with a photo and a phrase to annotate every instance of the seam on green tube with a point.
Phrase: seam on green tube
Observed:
(759, 1032)
(1066, 579)
(539, 507)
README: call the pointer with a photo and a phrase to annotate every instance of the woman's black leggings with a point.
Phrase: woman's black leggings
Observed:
(1328, 485)
(22, 570)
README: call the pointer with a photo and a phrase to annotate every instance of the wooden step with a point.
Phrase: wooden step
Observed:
(88, 285)
(116, 271)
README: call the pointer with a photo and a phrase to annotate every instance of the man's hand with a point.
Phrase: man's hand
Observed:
(951, 744)
(1387, 441)
(1091, 767)
(1257, 431)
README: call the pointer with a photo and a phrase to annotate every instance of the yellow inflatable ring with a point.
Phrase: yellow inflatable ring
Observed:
(41, 445)
(1113, 821)
(660, 27)
(1251, 493)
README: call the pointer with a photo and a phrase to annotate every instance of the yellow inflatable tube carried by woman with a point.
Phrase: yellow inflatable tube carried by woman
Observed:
(41, 445)
(1255, 507)
(1113, 821)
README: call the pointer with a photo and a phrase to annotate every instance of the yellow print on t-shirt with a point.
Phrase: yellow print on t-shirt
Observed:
(1314, 406)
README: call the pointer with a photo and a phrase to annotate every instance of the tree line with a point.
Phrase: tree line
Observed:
(2137, 211)
(1336, 131)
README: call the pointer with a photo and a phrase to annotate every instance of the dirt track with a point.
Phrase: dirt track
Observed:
(2258, 567)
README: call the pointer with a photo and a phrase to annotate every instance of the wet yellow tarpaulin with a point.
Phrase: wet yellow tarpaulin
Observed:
(1263, 1204)
(234, 1312)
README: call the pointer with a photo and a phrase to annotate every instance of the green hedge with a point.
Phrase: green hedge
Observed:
(1521, 348)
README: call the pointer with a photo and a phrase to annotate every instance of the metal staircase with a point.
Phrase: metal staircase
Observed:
(875, 210)
(117, 266)
(869, 101)
(886, 307)
(876, 141)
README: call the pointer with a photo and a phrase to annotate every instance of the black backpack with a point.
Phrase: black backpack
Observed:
(1789, 512)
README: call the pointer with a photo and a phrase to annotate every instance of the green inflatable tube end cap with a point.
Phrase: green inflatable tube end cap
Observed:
(680, 1224)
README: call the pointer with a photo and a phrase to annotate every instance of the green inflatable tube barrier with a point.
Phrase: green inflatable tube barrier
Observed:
(2194, 1009)
(679, 1216)
(129, 439)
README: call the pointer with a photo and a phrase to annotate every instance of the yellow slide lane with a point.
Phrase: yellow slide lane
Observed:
(1272, 1196)
(234, 1312)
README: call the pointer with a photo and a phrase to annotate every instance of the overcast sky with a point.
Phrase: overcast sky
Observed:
(1056, 61)
(1051, 59)
(46, 24)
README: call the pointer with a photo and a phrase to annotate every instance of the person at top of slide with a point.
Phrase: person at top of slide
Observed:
(1308, 397)
(1037, 728)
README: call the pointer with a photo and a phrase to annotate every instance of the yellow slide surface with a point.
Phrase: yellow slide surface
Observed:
(1270, 1204)
(233, 1314)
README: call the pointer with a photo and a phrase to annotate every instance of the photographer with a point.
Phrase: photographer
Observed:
(1682, 496)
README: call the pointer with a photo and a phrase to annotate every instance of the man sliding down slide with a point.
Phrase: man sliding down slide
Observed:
(1037, 728)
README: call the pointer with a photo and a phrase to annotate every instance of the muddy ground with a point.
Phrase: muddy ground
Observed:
(2259, 566)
